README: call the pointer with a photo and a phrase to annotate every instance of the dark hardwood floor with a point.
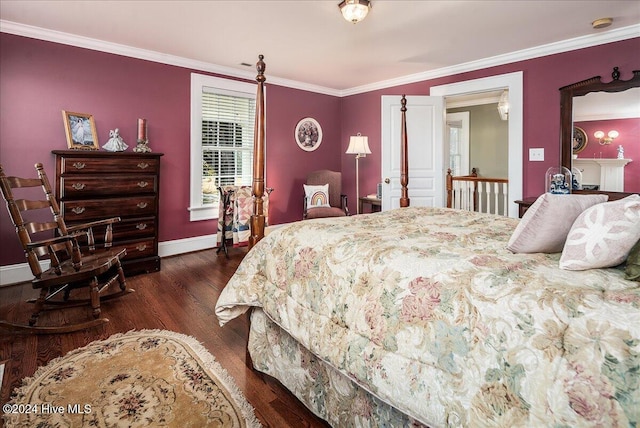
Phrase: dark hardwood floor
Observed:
(181, 297)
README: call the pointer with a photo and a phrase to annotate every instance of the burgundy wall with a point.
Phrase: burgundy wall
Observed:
(542, 79)
(287, 164)
(40, 79)
(629, 138)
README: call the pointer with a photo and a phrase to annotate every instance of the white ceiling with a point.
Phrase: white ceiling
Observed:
(309, 41)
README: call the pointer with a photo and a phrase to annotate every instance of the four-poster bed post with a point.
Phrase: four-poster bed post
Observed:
(257, 222)
(404, 162)
(257, 219)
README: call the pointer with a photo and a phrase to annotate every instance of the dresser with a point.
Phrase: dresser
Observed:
(93, 185)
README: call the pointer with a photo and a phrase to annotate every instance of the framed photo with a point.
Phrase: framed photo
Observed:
(580, 140)
(81, 131)
(308, 134)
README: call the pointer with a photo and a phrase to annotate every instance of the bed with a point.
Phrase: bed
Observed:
(422, 316)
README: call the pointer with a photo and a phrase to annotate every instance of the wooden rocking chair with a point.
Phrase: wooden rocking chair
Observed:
(69, 268)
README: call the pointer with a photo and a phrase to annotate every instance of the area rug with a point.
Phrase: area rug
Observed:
(137, 379)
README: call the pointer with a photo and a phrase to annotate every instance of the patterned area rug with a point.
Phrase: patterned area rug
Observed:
(138, 379)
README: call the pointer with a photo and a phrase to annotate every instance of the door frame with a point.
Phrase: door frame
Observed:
(514, 83)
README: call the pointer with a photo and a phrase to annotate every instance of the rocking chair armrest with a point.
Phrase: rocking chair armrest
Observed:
(55, 240)
(85, 226)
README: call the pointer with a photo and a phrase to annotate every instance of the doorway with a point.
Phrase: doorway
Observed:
(483, 135)
(513, 83)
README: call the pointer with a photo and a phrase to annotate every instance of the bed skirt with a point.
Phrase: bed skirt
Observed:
(326, 392)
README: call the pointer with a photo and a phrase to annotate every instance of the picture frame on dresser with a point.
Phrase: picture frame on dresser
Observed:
(93, 185)
(80, 129)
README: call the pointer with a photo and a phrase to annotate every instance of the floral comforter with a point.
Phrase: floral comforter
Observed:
(426, 309)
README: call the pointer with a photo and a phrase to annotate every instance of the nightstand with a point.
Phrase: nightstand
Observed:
(376, 204)
(524, 204)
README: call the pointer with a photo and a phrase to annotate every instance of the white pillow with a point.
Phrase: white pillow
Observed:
(546, 224)
(603, 235)
(317, 196)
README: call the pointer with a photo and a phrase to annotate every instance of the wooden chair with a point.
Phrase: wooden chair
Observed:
(69, 269)
(337, 201)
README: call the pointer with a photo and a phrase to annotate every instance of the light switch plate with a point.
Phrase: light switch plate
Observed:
(536, 155)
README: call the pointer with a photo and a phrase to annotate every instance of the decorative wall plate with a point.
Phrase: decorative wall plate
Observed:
(308, 134)
(580, 140)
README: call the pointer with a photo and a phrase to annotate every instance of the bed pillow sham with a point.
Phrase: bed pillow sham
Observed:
(317, 196)
(603, 235)
(547, 222)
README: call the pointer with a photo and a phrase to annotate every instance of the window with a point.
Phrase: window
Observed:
(222, 127)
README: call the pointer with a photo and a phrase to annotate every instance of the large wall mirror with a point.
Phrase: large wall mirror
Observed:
(590, 106)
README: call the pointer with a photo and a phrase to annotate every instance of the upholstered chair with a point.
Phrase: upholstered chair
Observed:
(315, 200)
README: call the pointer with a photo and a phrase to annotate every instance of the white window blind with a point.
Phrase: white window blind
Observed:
(227, 141)
(222, 128)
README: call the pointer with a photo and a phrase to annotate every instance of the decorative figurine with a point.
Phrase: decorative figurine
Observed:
(620, 152)
(143, 141)
(115, 143)
(559, 180)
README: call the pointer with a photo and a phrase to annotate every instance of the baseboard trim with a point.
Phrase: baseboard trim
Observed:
(12, 274)
(186, 245)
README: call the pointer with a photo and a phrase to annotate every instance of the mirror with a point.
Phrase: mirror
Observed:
(578, 119)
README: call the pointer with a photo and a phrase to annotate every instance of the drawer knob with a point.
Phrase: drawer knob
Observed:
(142, 184)
(142, 205)
(143, 165)
(78, 210)
(141, 247)
(79, 165)
(78, 186)
(141, 226)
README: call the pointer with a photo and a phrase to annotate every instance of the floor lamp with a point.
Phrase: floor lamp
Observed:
(359, 146)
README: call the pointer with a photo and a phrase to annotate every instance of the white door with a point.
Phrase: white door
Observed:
(426, 151)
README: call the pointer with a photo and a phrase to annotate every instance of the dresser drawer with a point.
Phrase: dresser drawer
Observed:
(119, 165)
(83, 210)
(127, 229)
(134, 228)
(138, 249)
(79, 186)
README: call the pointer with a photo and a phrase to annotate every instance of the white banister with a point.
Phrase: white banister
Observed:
(472, 193)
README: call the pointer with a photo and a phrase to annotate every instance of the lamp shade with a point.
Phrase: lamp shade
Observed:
(354, 10)
(358, 145)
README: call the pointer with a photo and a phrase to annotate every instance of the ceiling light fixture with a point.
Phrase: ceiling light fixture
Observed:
(601, 23)
(503, 105)
(354, 10)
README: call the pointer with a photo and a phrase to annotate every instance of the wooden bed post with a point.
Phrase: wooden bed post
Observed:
(404, 163)
(257, 218)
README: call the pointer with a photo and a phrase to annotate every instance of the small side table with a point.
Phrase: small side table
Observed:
(524, 204)
(376, 204)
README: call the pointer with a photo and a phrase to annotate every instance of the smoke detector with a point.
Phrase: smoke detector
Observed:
(601, 23)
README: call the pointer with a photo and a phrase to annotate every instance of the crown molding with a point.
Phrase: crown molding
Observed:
(610, 36)
(148, 55)
(525, 54)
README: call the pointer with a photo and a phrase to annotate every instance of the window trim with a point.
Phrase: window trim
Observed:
(197, 210)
